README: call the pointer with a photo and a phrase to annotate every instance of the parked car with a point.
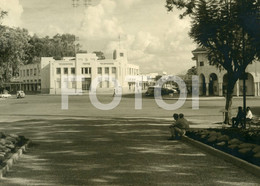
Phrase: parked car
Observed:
(174, 90)
(5, 95)
(154, 90)
(20, 94)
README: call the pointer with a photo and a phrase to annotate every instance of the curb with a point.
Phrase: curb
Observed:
(14, 158)
(223, 155)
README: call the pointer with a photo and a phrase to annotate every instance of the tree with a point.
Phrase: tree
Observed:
(2, 14)
(100, 55)
(192, 71)
(188, 78)
(228, 30)
(58, 46)
(13, 44)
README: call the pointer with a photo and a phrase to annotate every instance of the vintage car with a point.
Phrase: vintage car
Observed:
(154, 91)
(20, 94)
(5, 95)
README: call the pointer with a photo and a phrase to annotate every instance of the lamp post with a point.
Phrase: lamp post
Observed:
(244, 70)
(75, 4)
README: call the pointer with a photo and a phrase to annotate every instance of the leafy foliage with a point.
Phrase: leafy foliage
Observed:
(13, 44)
(228, 29)
(100, 55)
(59, 46)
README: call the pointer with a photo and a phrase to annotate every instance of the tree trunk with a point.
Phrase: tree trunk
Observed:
(229, 96)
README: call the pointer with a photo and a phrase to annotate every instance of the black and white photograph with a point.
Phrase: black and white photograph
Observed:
(129, 92)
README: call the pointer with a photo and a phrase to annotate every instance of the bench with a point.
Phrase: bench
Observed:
(254, 122)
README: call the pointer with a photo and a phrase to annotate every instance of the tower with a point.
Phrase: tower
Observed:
(120, 54)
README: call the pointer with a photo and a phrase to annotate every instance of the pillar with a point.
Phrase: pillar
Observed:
(256, 89)
(207, 89)
(220, 89)
(237, 85)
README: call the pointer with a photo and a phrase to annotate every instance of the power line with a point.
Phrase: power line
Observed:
(76, 3)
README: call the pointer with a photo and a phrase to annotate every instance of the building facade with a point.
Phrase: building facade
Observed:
(213, 82)
(30, 77)
(78, 73)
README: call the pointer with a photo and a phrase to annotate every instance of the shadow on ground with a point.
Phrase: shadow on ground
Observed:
(113, 151)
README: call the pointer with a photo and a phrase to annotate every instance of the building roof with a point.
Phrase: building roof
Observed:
(199, 50)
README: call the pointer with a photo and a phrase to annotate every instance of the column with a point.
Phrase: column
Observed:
(207, 89)
(220, 89)
(237, 85)
(256, 89)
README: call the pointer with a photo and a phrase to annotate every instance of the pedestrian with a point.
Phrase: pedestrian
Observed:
(114, 94)
(239, 118)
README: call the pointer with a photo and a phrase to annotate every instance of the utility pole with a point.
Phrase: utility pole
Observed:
(76, 4)
(244, 71)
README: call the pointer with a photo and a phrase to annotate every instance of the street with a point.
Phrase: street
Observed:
(123, 146)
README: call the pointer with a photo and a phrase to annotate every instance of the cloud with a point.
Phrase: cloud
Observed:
(127, 3)
(99, 22)
(14, 9)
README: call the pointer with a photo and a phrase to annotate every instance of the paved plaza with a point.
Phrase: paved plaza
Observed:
(124, 146)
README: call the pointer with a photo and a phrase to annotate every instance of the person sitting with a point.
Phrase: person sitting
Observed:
(184, 121)
(178, 129)
(249, 115)
(238, 119)
(175, 117)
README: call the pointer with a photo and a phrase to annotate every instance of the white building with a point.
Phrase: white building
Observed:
(30, 77)
(214, 82)
(79, 72)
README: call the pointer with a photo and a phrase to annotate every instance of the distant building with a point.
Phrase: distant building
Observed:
(30, 77)
(214, 82)
(47, 75)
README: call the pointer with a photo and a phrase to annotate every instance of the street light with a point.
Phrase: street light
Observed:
(244, 71)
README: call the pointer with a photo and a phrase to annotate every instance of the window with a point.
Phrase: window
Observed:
(202, 63)
(86, 70)
(113, 70)
(34, 72)
(31, 72)
(89, 70)
(99, 70)
(57, 70)
(107, 70)
(82, 70)
(72, 70)
(23, 72)
(28, 72)
(65, 70)
(121, 54)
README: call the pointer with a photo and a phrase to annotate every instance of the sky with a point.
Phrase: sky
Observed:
(155, 40)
